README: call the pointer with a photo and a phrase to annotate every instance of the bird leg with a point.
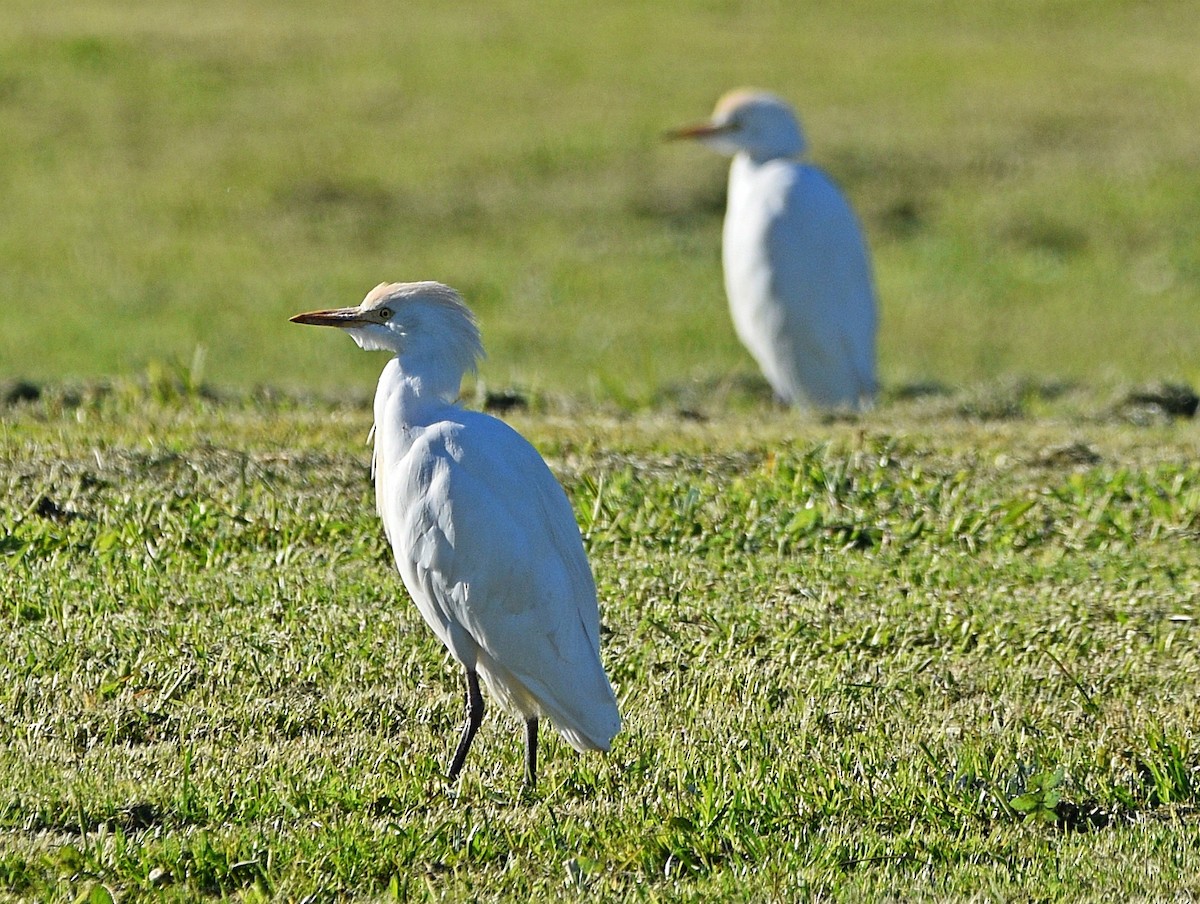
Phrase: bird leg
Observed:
(531, 726)
(474, 718)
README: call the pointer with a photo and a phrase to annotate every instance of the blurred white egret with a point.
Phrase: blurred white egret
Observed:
(483, 535)
(797, 271)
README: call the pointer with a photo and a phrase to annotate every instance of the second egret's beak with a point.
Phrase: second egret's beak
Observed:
(336, 317)
(699, 130)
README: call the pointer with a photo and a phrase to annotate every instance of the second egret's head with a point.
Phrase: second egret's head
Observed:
(756, 123)
(425, 324)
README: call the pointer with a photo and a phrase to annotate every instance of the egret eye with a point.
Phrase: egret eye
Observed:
(385, 314)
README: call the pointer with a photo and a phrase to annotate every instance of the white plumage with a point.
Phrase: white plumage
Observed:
(483, 535)
(797, 271)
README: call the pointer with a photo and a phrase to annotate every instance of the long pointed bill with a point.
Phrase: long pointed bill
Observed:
(336, 317)
(698, 130)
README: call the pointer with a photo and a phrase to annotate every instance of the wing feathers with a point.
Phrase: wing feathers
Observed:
(491, 553)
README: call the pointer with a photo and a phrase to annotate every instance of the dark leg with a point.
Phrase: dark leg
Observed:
(531, 751)
(474, 717)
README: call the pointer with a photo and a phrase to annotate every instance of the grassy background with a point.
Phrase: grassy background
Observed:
(945, 650)
(178, 179)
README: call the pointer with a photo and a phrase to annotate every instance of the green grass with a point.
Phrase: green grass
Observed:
(176, 180)
(941, 652)
(944, 651)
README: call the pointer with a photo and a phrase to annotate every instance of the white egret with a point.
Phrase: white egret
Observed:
(483, 535)
(797, 271)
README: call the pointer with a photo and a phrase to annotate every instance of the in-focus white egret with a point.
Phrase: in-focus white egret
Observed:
(797, 271)
(482, 533)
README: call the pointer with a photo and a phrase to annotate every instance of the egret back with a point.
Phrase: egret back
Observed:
(488, 547)
(798, 278)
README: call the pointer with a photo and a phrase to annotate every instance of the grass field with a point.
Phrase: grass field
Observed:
(943, 651)
(178, 180)
(946, 652)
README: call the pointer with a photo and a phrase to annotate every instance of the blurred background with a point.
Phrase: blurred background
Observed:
(178, 179)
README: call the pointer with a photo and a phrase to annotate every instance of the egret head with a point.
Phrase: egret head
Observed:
(756, 123)
(426, 325)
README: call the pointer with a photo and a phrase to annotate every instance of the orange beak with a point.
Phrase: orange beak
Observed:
(342, 317)
(698, 130)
